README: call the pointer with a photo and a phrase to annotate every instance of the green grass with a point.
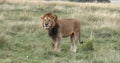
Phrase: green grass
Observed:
(23, 40)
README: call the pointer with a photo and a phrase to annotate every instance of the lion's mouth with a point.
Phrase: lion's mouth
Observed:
(46, 26)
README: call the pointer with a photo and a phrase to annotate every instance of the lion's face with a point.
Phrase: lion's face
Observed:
(48, 21)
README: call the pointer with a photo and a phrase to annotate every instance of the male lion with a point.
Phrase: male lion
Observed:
(61, 28)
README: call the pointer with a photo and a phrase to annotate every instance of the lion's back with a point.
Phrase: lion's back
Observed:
(68, 26)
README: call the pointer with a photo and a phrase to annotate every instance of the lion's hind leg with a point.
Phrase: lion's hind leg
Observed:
(73, 39)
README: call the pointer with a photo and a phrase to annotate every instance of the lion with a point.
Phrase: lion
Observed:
(61, 28)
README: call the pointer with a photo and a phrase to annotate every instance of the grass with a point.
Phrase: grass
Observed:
(23, 40)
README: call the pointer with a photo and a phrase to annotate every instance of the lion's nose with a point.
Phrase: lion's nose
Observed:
(46, 24)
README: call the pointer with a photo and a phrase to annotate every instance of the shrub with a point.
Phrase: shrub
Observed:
(3, 40)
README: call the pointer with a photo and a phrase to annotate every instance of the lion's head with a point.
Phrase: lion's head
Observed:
(49, 20)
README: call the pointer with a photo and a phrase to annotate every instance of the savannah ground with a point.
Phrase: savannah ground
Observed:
(23, 40)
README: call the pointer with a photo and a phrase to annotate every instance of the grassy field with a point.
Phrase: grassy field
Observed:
(22, 39)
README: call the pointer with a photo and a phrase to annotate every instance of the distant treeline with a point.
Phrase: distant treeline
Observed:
(82, 0)
(91, 0)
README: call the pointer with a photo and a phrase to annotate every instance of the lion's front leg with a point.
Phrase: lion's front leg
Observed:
(56, 44)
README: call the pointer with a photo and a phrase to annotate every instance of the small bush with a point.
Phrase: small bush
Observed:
(3, 41)
(88, 46)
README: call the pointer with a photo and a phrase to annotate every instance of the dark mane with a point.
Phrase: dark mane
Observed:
(54, 31)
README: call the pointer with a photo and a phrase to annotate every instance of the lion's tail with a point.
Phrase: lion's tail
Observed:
(80, 41)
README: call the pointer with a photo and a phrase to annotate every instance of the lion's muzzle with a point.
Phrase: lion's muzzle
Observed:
(46, 25)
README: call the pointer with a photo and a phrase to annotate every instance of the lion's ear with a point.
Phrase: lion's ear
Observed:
(54, 17)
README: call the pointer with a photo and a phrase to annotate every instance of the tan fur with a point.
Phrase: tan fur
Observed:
(61, 28)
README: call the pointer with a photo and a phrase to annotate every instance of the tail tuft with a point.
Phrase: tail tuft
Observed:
(80, 41)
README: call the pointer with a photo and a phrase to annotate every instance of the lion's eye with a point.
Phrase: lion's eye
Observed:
(48, 20)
